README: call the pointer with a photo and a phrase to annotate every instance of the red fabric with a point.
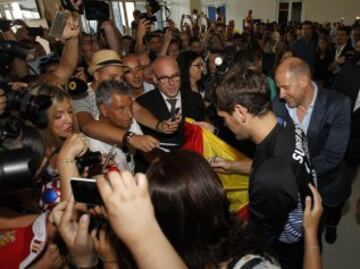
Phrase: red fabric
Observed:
(243, 213)
(15, 251)
(193, 138)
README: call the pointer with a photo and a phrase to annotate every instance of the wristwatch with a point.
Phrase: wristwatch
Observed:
(127, 137)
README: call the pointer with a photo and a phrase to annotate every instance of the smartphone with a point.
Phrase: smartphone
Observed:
(58, 24)
(35, 31)
(173, 116)
(85, 191)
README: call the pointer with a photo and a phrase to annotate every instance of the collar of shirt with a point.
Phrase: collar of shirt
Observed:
(306, 120)
(178, 100)
(339, 51)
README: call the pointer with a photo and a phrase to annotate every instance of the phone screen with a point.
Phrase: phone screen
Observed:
(86, 191)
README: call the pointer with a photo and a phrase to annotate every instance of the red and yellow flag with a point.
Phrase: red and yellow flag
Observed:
(209, 145)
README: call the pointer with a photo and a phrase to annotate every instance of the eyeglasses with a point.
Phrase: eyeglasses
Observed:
(173, 78)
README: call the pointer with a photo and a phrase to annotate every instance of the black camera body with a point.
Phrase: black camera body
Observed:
(31, 107)
(91, 159)
(145, 16)
(96, 10)
(5, 25)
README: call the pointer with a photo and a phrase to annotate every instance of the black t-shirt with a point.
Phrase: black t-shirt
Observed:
(278, 183)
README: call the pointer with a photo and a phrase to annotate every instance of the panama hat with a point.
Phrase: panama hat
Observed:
(104, 58)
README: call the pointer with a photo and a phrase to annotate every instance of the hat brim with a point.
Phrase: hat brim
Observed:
(93, 68)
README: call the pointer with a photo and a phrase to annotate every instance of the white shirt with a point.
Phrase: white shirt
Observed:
(120, 156)
(178, 101)
(304, 125)
(148, 86)
(87, 104)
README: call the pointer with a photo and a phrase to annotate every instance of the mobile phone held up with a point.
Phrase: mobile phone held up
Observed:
(176, 112)
(58, 24)
(85, 191)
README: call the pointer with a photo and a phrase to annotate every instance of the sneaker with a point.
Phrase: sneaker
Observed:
(330, 234)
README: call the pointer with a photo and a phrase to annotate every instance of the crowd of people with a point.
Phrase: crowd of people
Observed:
(284, 95)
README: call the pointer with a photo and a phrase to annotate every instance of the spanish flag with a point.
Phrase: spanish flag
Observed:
(205, 143)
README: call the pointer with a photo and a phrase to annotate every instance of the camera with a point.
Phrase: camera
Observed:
(15, 171)
(30, 107)
(96, 10)
(5, 25)
(35, 31)
(76, 88)
(21, 153)
(90, 159)
(147, 17)
(10, 49)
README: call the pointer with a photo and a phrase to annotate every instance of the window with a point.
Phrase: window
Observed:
(24, 10)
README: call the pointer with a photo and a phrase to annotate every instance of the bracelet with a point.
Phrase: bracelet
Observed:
(157, 125)
(65, 161)
(106, 261)
(312, 246)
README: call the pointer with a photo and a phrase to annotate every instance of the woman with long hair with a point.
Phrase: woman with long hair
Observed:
(323, 59)
(61, 130)
(191, 68)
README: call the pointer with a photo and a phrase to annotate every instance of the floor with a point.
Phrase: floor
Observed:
(345, 252)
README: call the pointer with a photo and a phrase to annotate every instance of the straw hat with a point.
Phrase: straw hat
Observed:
(104, 58)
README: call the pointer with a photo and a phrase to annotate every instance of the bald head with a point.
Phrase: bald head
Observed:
(294, 67)
(293, 78)
(167, 75)
(163, 63)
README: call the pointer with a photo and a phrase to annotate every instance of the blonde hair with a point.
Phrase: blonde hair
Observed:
(57, 96)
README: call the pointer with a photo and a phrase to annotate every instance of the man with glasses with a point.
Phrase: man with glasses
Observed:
(167, 101)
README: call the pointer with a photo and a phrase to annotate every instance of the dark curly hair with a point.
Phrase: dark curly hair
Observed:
(245, 87)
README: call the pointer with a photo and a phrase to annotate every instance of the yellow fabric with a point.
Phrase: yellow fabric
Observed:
(236, 186)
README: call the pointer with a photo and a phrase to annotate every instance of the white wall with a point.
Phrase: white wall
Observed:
(179, 7)
(331, 10)
(315, 10)
(237, 9)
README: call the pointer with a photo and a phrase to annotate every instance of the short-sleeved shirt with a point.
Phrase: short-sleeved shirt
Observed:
(124, 160)
(278, 183)
(87, 104)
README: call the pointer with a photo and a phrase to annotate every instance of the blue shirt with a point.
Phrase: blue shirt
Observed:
(306, 120)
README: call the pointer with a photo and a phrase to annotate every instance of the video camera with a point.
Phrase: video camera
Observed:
(10, 49)
(92, 9)
(21, 152)
(31, 107)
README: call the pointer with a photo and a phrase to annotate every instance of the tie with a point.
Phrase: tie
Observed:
(172, 102)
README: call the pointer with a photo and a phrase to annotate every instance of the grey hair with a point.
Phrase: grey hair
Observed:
(109, 87)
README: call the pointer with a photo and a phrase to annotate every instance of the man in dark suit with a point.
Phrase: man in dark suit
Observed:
(342, 47)
(169, 101)
(324, 116)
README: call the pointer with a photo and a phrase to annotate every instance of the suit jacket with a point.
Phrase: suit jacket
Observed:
(328, 135)
(192, 106)
(345, 82)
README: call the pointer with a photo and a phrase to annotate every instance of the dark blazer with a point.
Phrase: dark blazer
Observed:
(347, 82)
(328, 136)
(192, 106)
(348, 47)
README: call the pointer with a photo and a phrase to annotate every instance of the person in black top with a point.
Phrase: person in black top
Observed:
(281, 166)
